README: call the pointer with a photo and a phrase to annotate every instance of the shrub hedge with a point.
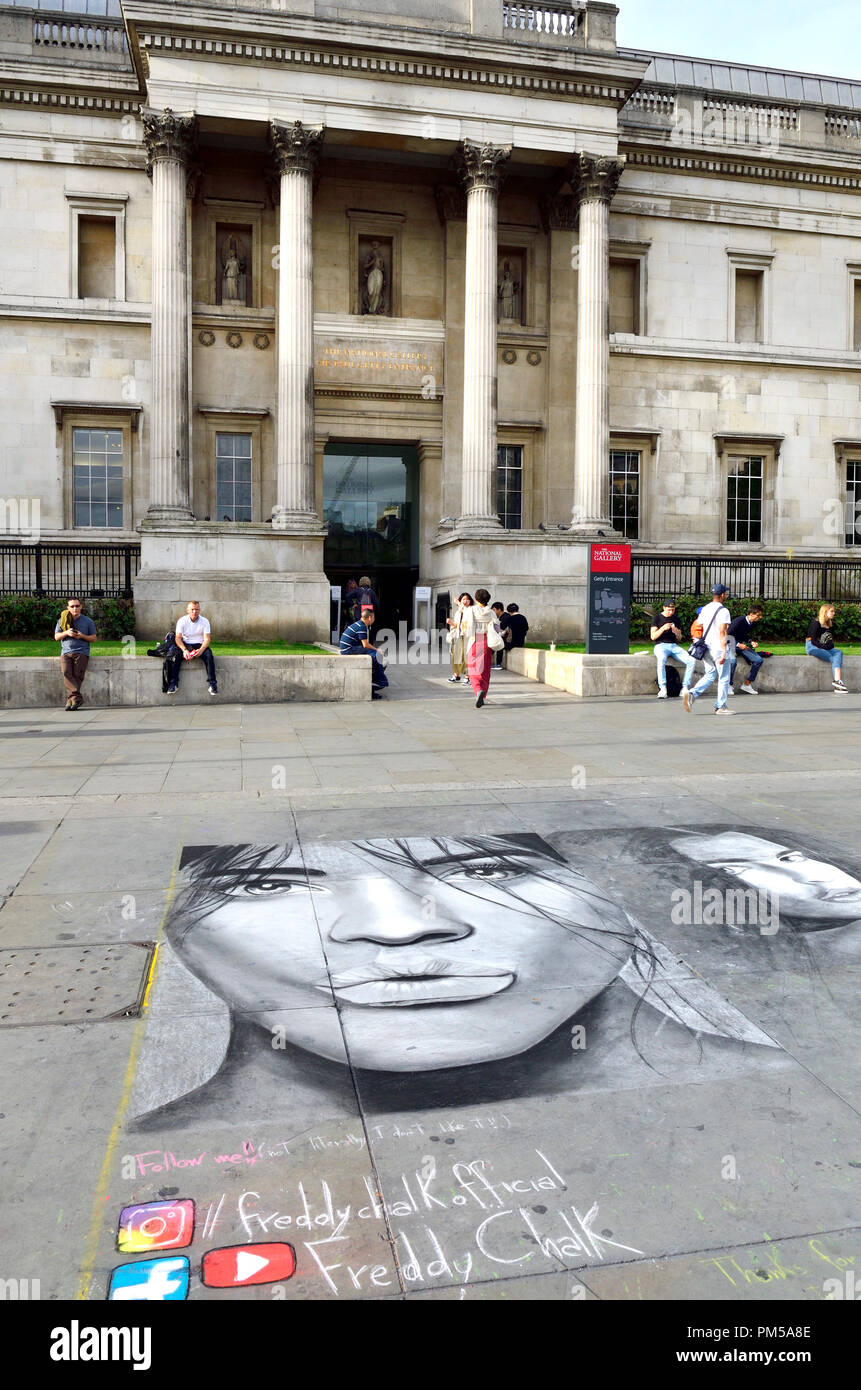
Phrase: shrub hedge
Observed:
(25, 615)
(781, 621)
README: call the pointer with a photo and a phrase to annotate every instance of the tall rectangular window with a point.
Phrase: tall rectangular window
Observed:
(509, 486)
(232, 477)
(97, 258)
(624, 296)
(625, 491)
(744, 499)
(748, 306)
(856, 315)
(97, 462)
(853, 502)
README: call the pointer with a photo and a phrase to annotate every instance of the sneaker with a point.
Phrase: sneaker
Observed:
(213, 690)
(172, 689)
(749, 689)
(662, 693)
(730, 691)
(479, 699)
(839, 688)
(687, 700)
(724, 710)
(452, 680)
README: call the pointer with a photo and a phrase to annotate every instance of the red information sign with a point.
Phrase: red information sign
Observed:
(610, 559)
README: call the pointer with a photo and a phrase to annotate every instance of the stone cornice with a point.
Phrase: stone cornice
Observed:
(86, 103)
(750, 166)
(383, 52)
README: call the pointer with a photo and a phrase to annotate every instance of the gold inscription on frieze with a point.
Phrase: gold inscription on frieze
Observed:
(372, 359)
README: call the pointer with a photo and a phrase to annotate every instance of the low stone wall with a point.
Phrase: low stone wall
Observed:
(34, 682)
(591, 675)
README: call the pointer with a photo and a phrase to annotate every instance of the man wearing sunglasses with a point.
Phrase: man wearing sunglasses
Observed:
(74, 632)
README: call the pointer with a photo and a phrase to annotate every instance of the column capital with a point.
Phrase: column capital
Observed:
(595, 177)
(168, 136)
(296, 147)
(481, 166)
(559, 212)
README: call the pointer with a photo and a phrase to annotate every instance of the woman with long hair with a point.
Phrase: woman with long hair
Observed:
(457, 651)
(820, 643)
(479, 655)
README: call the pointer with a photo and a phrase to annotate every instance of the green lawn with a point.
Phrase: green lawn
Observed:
(778, 648)
(40, 647)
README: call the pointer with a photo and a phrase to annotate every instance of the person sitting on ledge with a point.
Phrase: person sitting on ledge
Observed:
(356, 639)
(193, 639)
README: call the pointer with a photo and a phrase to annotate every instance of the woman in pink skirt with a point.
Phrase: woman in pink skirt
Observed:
(475, 624)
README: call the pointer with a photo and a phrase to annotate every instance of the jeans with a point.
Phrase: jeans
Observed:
(667, 649)
(832, 654)
(754, 661)
(207, 658)
(723, 674)
(379, 679)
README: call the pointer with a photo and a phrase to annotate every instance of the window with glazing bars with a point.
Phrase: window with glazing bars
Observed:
(509, 486)
(853, 502)
(744, 499)
(625, 491)
(232, 477)
(97, 462)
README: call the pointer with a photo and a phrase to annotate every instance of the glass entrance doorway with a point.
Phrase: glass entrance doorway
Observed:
(371, 504)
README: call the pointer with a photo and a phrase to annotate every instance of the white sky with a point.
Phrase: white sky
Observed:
(819, 36)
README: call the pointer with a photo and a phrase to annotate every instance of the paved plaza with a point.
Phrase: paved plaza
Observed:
(408, 1000)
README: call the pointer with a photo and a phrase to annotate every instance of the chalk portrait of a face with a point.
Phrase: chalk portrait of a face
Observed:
(816, 895)
(444, 967)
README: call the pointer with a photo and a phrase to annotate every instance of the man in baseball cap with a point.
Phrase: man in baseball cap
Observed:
(715, 619)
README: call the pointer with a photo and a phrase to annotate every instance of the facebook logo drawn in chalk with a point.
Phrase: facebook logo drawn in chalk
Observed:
(155, 1226)
(150, 1281)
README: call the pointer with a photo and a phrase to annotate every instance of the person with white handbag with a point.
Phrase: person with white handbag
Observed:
(482, 637)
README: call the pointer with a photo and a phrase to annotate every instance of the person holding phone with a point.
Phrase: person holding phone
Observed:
(75, 632)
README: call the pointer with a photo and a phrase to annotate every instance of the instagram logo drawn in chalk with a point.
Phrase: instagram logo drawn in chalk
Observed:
(155, 1226)
(150, 1281)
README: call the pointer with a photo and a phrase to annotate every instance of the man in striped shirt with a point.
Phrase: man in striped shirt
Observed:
(356, 639)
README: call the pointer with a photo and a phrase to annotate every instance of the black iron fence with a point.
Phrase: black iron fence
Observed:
(803, 581)
(55, 570)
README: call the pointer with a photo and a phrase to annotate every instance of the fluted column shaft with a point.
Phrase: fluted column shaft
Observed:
(170, 143)
(595, 180)
(295, 149)
(481, 168)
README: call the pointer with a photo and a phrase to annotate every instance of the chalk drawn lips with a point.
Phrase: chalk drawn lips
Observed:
(422, 981)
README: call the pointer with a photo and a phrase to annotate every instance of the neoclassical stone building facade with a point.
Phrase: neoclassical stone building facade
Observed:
(434, 292)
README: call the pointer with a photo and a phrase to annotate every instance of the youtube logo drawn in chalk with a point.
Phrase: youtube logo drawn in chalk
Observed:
(238, 1266)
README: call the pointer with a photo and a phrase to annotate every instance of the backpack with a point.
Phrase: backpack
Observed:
(166, 649)
(674, 682)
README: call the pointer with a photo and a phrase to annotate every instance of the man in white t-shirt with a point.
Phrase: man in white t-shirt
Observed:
(193, 639)
(715, 618)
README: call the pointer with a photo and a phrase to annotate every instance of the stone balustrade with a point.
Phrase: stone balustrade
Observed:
(97, 36)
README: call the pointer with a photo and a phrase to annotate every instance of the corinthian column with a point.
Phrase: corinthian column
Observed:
(170, 142)
(595, 179)
(295, 150)
(481, 168)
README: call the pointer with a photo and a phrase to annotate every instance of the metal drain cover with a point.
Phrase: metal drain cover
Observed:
(72, 984)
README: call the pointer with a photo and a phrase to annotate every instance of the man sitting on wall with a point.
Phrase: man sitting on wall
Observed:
(356, 639)
(193, 639)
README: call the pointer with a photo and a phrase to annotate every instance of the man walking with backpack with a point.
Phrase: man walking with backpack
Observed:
(716, 648)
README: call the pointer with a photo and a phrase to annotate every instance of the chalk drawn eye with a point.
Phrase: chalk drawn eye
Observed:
(487, 870)
(792, 856)
(273, 887)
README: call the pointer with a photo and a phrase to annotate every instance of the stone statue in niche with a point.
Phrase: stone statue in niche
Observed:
(375, 259)
(233, 273)
(508, 295)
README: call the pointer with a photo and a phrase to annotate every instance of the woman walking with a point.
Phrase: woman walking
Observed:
(478, 620)
(820, 643)
(457, 649)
